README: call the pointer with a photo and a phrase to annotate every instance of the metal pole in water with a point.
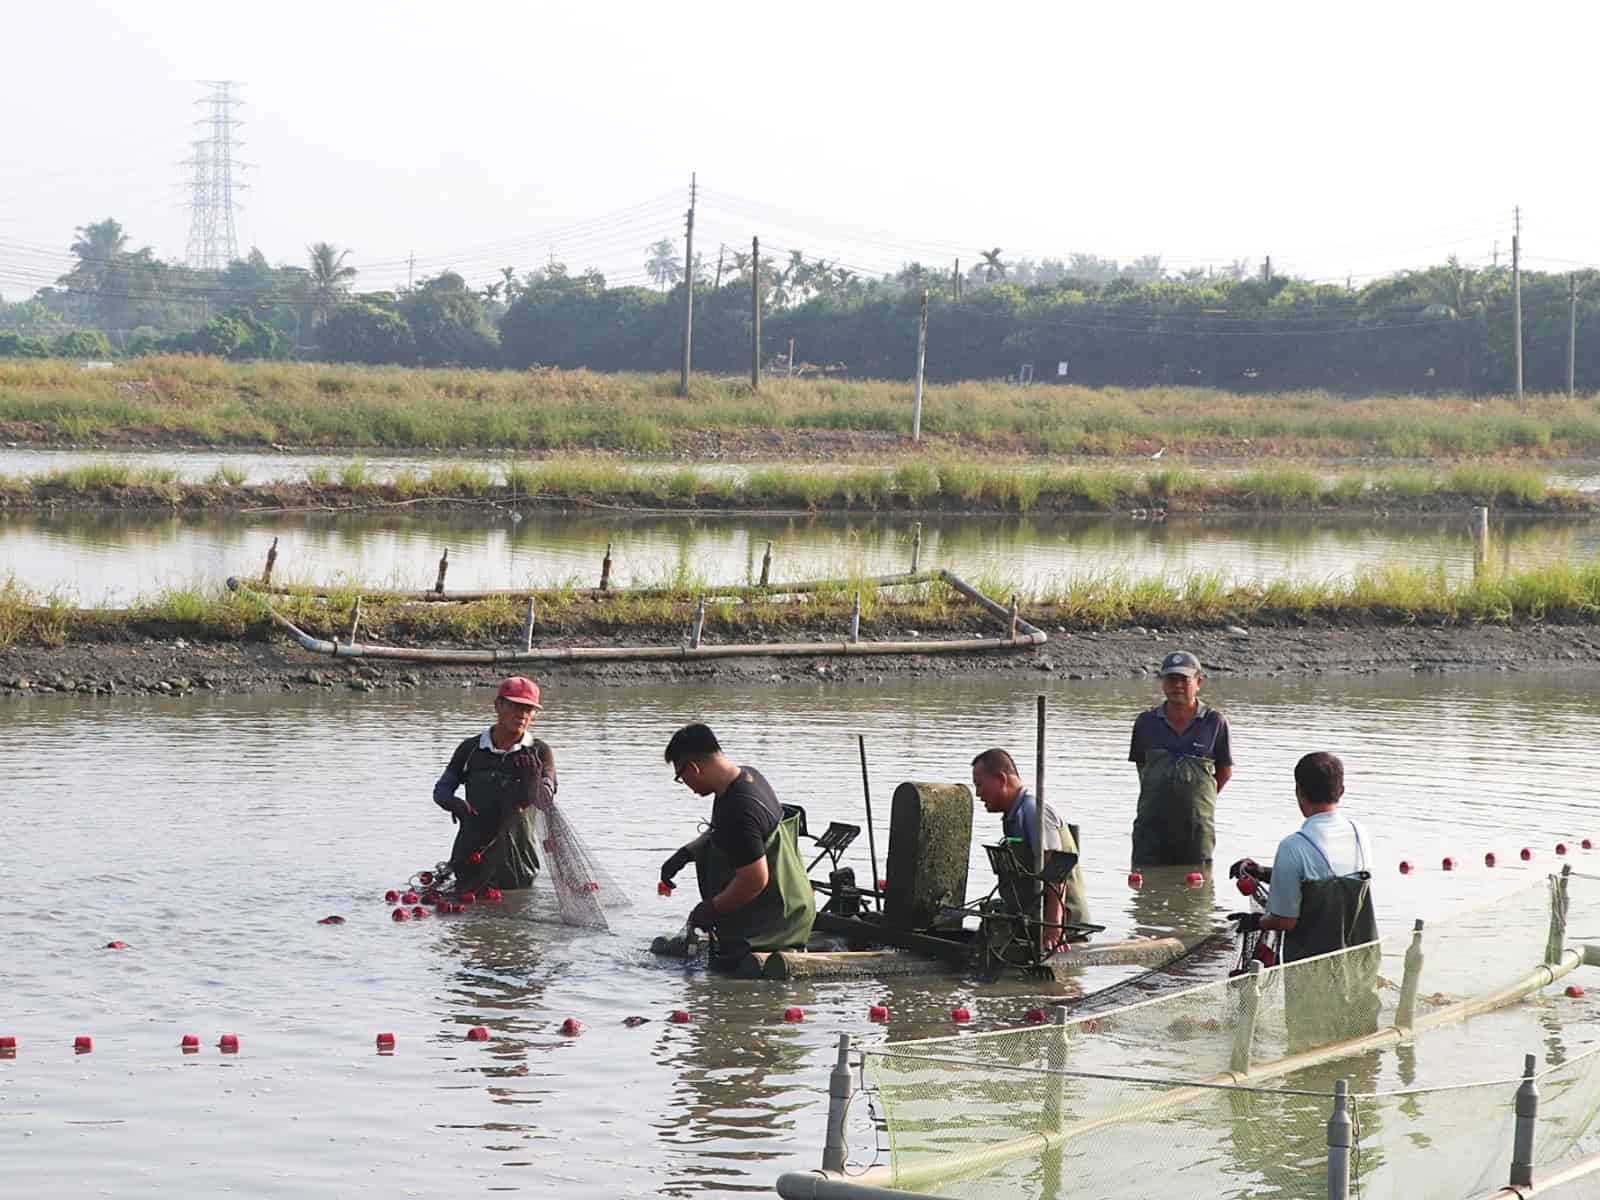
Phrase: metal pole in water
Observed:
(699, 623)
(444, 565)
(1038, 815)
(1244, 1033)
(1406, 1013)
(872, 841)
(855, 620)
(833, 1149)
(1527, 1116)
(766, 565)
(527, 627)
(1339, 1142)
(916, 546)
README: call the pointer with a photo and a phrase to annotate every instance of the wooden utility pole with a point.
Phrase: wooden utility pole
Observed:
(1266, 270)
(688, 292)
(1572, 332)
(755, 314)
(1516, 302)
(922, 354)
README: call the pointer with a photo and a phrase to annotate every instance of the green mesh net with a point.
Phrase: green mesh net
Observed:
(1225, 1089)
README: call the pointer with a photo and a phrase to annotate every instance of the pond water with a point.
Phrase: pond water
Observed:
(210, 833)
(114, 558)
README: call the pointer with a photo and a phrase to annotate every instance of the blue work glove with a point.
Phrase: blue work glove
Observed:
(1245, 922)
(704, 916)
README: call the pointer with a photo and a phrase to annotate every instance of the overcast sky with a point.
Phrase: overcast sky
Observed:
(1347, 138)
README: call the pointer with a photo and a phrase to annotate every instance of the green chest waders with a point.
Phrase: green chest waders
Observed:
(1176, 822)
(1333, 996)
(500, 831)
(780, 917)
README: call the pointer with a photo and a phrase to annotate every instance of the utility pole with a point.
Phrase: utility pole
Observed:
(718, 284)
(1572, 332)
(411, 268)
(1266, 270)
(957, 277)
(1516, 300)
(688, 291)
(922, 354)
(755, 314)
(791, 358)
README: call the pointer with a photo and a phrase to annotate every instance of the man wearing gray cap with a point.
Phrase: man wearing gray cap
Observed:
(1181, 750)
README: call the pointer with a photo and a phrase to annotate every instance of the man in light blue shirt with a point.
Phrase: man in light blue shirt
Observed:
(1321, 875)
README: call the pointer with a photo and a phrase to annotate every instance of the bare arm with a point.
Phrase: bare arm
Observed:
(1051, 933)
(1269, 921)
(1223, 775)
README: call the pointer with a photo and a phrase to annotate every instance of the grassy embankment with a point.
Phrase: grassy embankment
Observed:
(1390, 595)
(944, 485)
(185, 400)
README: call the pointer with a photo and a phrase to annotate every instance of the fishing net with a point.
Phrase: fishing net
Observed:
(584, 889)
(1225, 1089)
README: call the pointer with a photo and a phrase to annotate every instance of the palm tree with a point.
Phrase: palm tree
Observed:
(993, 268)
(329, 277)
(663, 265)
(98, 248)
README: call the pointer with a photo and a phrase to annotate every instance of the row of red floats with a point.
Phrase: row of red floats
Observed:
(1449, 863)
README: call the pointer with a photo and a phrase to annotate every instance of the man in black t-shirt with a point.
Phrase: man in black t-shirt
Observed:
(754, 893)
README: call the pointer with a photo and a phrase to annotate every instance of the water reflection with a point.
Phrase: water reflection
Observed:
(101, 557)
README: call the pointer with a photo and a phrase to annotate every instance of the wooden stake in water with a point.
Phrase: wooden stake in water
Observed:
(872, 841)
(272, 557)
(1013, 611)
(699, 623)
(355, 620)
(444, 565)
(605, 570)
(916, 546)
(527, 627)
(855, 620)
(766, 565)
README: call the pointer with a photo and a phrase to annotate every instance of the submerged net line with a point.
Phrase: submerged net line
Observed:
(1149, 1077)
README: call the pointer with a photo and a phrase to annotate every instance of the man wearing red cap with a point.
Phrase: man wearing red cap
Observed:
(508, 773)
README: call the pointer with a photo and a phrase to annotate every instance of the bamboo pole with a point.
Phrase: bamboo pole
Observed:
(272, 558)
(527, 627)
(605, 570)
(444, 565)
(732, 590)
(766, 565)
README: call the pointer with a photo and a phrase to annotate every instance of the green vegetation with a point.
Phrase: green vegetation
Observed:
(946, 485)
(1384, 596)
(185, 400)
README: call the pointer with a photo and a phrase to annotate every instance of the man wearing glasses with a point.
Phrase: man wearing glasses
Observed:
(754, 894)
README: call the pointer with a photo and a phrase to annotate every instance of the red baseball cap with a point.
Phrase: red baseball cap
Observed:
(519, 689)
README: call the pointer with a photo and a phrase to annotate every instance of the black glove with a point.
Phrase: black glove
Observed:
(1244, 866)
(458, 808)
(704, 916)
(1245, 922)
(680, 859)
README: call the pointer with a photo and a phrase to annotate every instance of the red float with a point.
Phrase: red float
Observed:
(228, 1043)
(82, 1044)
(960, 1015)
(1135, 879)
(190, 1044)
(477, 1034)
(794, 1014)
(679, 1017)
(1405, 867)
(1525, 854)
(1574, 990)
(116, 945)
(469, 897)
(425, 878)
(571, 1027)
(1246, 885)
(663, 888)
(1195, 878)
(1489, 859)
(391, 897)
(1449, 864)
(1561, 847)
(878, 1013)
(400, 914)
(1035, 1016)
(474, 859)
(418, 913)
(386, 1041)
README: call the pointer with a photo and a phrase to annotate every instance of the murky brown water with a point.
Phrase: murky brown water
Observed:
(114, 558)
(209, 834)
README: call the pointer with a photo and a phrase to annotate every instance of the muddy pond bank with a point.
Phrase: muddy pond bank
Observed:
(163, 661)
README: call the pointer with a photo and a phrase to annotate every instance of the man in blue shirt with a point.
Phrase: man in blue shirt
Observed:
(1184, 757)
(999, 786)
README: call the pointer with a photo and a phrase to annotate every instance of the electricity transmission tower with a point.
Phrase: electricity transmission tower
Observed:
(213, 242)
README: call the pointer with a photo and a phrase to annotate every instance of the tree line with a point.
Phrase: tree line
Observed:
(1447, 327)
